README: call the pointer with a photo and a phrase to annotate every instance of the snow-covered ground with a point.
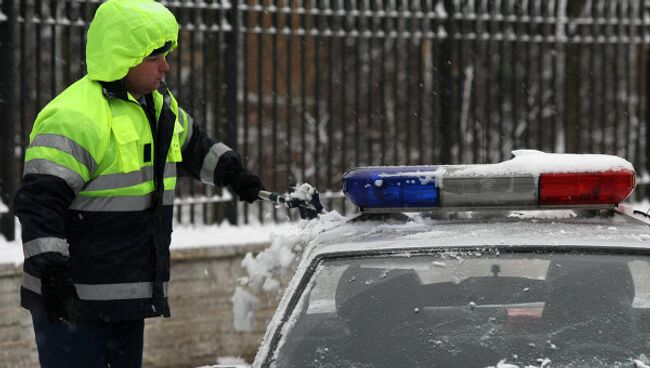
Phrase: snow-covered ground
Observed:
(184, 236)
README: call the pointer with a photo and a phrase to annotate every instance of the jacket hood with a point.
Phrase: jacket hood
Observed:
(123, 33)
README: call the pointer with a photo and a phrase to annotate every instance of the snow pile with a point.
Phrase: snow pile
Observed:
(272, 267)
(525, 162)
(11, 252)
(224, 234)
(3, 207)
(531, 162)
(244, 314)
(228, 362)
(276, 259)
(640, 364)
(303, 192)
(543, 363)
(183, 237)
(232, 361)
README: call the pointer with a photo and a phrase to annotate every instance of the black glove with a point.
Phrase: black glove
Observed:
(60, 298)
(246, 185)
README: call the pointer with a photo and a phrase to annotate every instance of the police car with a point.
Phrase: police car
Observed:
(532, 262)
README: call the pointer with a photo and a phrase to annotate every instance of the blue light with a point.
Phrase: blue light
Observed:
(392, 186)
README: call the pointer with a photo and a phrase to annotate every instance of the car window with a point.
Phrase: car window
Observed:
(465, 309)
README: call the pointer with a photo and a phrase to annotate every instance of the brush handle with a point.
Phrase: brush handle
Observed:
(272, 197)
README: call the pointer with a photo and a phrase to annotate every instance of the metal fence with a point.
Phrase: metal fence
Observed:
(305, 89)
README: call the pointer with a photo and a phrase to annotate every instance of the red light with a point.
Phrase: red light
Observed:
(608, 187)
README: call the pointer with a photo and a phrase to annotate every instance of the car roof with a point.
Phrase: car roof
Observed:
(367, 233)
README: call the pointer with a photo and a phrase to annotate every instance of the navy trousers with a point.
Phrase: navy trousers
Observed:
(89, 344)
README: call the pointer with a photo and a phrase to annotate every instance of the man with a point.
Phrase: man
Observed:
(96, 201)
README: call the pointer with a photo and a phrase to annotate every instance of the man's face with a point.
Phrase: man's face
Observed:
(145, 77)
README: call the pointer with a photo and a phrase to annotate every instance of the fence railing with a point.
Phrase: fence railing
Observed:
(305, 89)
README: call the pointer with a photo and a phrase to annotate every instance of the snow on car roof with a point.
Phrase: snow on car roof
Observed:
(533, 162)
(536, 162)
(541, 228)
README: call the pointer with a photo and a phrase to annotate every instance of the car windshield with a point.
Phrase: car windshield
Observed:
(472, 309)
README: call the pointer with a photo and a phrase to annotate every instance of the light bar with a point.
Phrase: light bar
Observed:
(422, 187)
(392, 186)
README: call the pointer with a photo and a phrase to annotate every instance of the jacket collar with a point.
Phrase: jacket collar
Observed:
(115, 89)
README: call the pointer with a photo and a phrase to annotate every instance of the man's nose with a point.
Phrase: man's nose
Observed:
(164, 66)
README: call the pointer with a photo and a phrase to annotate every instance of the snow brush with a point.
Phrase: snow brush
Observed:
(305, 198)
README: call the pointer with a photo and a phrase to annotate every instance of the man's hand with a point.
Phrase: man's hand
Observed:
(60, 298)
(246, 186)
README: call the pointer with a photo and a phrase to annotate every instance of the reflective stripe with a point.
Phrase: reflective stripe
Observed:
(121, 180)
(133, 290)
(189, 129)
(210, 162)
(170, 170)
(168, 197)
(42, 166)
(44, 245)
(68, 146)
(30, 282)
(116, 204)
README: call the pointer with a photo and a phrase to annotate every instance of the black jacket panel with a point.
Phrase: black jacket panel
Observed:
(198, 147)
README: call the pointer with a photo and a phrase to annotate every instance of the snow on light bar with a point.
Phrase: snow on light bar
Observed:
(530, 179)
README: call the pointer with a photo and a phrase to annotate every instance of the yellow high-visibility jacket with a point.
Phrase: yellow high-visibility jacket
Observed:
(100, 173)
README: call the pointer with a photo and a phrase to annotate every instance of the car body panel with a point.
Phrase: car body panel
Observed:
(472, 231)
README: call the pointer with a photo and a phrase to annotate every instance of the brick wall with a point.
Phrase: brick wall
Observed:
(199, 331)
(17, 347)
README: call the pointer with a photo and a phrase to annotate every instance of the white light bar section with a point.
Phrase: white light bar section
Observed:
(487, 191)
